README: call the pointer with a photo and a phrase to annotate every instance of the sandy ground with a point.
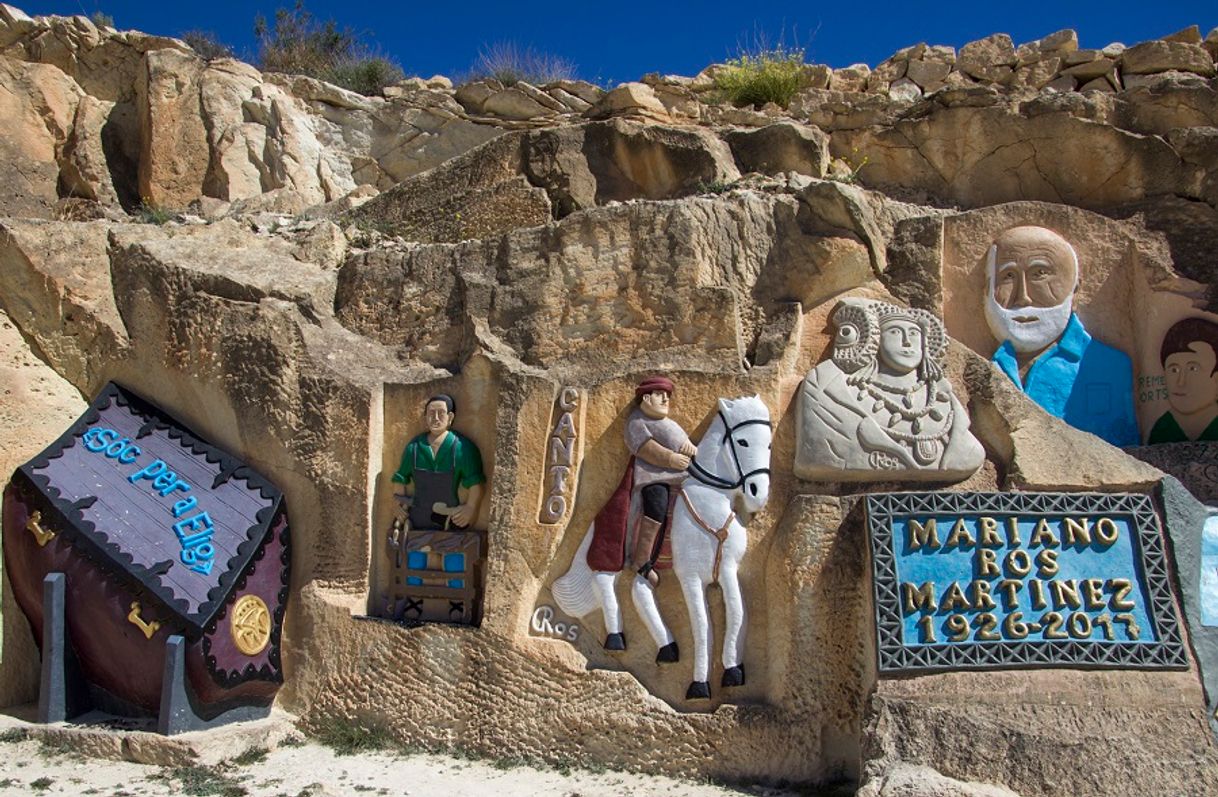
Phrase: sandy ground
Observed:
(29, 767)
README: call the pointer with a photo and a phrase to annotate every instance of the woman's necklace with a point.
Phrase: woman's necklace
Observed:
(903, 410)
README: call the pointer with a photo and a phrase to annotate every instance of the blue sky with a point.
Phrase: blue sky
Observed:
(623, 41)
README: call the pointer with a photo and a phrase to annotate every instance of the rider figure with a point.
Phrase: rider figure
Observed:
(661, 452)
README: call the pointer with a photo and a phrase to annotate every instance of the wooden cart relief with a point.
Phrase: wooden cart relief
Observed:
(564, 451)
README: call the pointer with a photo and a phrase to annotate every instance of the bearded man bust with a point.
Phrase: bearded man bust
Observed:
(1032, 276)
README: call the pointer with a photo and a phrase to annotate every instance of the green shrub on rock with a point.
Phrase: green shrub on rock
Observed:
(296, 43)
(771, 75)
(206, 44)
(509, 63)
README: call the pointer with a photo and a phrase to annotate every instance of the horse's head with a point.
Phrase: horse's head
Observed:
(745, 454)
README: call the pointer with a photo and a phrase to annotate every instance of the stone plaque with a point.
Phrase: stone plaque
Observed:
(564, 450)
(999, 580)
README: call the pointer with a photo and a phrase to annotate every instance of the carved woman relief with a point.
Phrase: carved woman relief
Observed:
(881, 408)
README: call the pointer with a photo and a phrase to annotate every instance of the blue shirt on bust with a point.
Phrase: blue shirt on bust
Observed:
(1084, 382)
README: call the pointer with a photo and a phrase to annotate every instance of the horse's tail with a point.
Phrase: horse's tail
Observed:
(574, 592)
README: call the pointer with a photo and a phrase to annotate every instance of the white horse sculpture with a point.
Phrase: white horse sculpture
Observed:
(708, 542)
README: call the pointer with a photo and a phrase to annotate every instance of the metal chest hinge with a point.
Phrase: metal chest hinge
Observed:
(34, 526)
(134, 618)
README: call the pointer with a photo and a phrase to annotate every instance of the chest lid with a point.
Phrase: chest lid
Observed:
(161, 509)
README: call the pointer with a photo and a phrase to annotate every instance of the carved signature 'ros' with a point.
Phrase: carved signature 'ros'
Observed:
(708, 541)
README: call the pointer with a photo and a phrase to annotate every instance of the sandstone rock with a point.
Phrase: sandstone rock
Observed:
(587, 254)
(569, 101)
(312, 89)
(629, 99)
(473, 94)
(1093, 107)
(1059, 43)
(336, 208)
(988, 59)
(413, 141)
(1189, 35)
(928, 74)
(210, 208)
(594, 164)
(512, 103)
(679, 101)
(989, 154)
(38, 105)
(1037, 75)
(37, 405)
(911, 780)
(957, 80)
(524, 306)
(737, 117)
(886, 73)
(540, 97)
(173, 141)
(1168, 100)
(912, 52)
(586, 91)
(1062, 83)
(323, 245)
(482, 192)
(1161, 56)
(817, 76)
(850, 78)
(55, 277)
(905, 90)
(838, 110)
(781, 147)
(940, 53)
(1082, 56)
(705, 80)
(1112, 50)
(439, 82)
(240, 157)
(252, 268)
(406, 85)
(84, 170)
(969, 96)
(1090, 70)
(1098, 84)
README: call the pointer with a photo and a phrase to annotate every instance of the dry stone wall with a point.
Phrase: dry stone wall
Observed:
(344, 258)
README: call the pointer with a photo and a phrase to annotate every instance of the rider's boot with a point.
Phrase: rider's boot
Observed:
(646, 534)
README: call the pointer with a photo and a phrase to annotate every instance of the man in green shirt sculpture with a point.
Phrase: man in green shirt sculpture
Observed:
(1190, 366)
(434, 465)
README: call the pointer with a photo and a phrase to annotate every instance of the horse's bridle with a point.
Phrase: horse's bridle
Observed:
(706, 477)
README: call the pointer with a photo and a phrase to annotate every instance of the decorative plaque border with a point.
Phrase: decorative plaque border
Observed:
(1166, 651)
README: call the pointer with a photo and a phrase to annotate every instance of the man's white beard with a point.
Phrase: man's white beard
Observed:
(1027, 336)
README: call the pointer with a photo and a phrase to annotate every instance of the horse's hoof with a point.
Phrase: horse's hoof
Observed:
(615, 642)
(698, 690)
(668, 654)
(734, 676)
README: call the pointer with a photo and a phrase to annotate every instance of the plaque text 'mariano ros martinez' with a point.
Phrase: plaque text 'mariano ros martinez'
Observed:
(995, 580)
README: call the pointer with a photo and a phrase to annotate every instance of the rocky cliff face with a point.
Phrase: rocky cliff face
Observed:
(331, 260)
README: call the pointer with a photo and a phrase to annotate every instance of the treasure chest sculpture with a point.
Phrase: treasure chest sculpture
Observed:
(436, 574)
(153, 569)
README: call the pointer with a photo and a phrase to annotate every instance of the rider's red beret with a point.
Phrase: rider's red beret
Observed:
(653, 383)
